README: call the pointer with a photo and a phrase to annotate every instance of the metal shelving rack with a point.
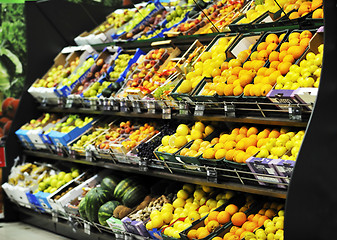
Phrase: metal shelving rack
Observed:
(39, 61)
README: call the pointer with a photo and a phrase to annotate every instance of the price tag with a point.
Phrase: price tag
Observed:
(199, 110)
(115, 105)
(151, 107)
(44, 102)
(229, 110)
(54, 217)
(166, 113)
(123, 106)
(88, 155)
(136, 107)
(60, 102)
(183, 108)
(295, 113)
(143, 166)
(93, 104)
(72, 154)
(105, 104)
(86, 228)
(212, 175)
(69, 103)
(59, 150)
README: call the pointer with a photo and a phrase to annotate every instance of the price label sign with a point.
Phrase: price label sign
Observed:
(151, 107)
(183, 108)
(229, 110)
(199, 109)
(88, 155)
(93, 104)
(143, 166)
(60, 102)
(212, 174)
(105, 104)
(86, 228)
(166, 114)
(136, 107)
(44, 102)
(54, 217)
(115, 105)
(123, 106)
(69, 103)
(72, 153)
(59, 150)
(295, 113)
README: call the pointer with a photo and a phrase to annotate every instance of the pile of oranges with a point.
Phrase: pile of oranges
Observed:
(301, 8)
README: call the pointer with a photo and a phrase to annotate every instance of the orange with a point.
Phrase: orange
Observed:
(258, 79)
(223, 217)
(265, 89)
(234, 63)
(224, 66)
(216, 72)
(256, 218)
(245, 79)
(237, 90)
(235, 131)
(274, 134)
(304, 8)
(228, 89)
(242, 56)
(274, 56)
(220, 88)
(203, 233)
(247, 65)
(294, 42)
(272, 38)
(261, 220)
(263, 55)
(233, 229)
(230, 145)
(315, 4)
(231, 79)
(294, 35)
(261, 142)
(192, 234)
(246, 90)
(250, 142)
(212, 226)
(263, 134)
(318, 13)
(230, 155)
(296, 51)
(305, 34)
(262, 211)
(250, 217)
(270, 213)
(257, 64)
(239, 231)
(236, 71)
(273, 77)
(289, 58)
(241, 145)
(282, 55)
(294, 15)
(239, 137)
(228, 235)
(305, 42)
(251, 131)
(217, 238)
(206, 221)
(284, 46)
(261, 71)
(269, 71)
(283, 67)
(238, 218)
(231, 209)
(271, 47)
(243, 130)
(241, 157)
(251, 226)
(262, 46)
(274, 64)
(253, 56)
(213, 215)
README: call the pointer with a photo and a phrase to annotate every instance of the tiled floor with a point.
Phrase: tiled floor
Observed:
(19, 230)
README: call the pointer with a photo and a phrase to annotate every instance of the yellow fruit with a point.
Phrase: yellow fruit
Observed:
(199, 126)
(193, 216)
(188, 187)
(149, 225)
(196, 134)
(167, 217)
(157, 221)
(209, 153)
(198, 194)
(179, 202)
(203, 209)
(185, 86)
(165, 140)
(180, 141)
(209, 129)
(221, 153)
(182, 130)
(182, 194)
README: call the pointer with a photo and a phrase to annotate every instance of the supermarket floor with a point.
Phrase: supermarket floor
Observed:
(19, 230)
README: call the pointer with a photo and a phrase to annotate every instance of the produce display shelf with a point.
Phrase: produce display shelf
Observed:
(71, 227)
(233, 179)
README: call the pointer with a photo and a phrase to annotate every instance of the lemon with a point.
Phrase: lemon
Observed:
(157, 221)
(199, 126)
(172, 140)
(167, 217)
(190, 75)
(205, 56)
(203, 209)
(179, 202)
(182, 130)
(198, 194)
(185, 86)
(198, 65)
(149, 225)
(178, 210)
(154, 214)
(223, 41)
(209, 153)
(209, 129)
(196, 134)
(165, 140)
(182, 194)
(180, 141)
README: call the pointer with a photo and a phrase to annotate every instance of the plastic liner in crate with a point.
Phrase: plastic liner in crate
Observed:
(263, 170)
(238, 201)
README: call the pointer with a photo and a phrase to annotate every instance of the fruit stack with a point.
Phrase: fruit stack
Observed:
(192, 203)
